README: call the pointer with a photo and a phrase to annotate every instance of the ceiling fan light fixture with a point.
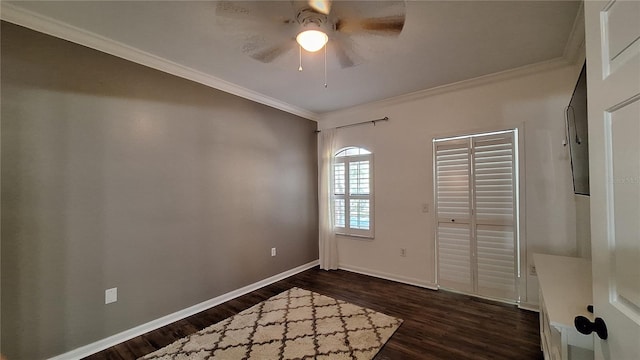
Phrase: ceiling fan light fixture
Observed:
(312, 40)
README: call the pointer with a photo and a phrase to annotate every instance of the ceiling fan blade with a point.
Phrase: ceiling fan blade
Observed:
(271, 53)
(343, 58)
(255, 11)
(321, 6)
(344, 48)
(389, 25)
(232, 9)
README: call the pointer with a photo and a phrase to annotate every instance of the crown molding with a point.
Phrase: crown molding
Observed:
(34, 21)
(573, 53)
(574, 49)
(457, 86)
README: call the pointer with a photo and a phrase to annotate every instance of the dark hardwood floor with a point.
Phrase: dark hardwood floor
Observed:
(437, 324)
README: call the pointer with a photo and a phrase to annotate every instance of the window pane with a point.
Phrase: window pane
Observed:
(338, 178)
(350, 151)
(359, 177)
(353, 151)
(339, 212)
(359, 214)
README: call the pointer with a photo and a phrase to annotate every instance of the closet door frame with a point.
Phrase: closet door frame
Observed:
(521, 266)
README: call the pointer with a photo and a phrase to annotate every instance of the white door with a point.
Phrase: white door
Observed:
(613, 78)
(475, 211)
(494, 210)
(453, 213)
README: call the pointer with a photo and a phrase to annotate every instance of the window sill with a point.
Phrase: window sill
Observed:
(360, 237)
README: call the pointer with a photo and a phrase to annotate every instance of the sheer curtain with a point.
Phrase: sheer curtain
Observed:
(327, 238)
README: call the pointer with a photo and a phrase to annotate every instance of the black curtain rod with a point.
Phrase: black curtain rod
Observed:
(386, 118)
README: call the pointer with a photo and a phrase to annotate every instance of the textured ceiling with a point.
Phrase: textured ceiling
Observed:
(442, 42)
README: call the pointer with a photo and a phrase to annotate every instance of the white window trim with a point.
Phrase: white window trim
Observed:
(346, 230)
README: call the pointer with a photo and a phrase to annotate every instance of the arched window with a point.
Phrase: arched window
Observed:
(353, 192)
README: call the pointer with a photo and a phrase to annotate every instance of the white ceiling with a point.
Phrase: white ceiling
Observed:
(442, 42)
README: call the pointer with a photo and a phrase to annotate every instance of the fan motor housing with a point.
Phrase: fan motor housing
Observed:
(308, 16)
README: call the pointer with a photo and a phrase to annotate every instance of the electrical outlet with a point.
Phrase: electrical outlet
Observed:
(110, 295)
(273, 251)
(403, 252)
(425, 207)
(532, 270)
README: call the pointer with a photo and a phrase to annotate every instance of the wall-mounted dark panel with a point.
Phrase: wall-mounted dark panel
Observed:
(578, 135)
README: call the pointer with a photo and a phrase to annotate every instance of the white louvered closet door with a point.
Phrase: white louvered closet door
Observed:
(475, 208)
(453, 173)
(495, 208)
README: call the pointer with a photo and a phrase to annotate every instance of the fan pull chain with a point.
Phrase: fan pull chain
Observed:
(325, 66)
(300, 57)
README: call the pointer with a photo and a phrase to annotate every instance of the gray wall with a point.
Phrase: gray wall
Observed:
(117, 175)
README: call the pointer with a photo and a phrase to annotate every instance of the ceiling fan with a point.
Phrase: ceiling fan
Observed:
(310, 24)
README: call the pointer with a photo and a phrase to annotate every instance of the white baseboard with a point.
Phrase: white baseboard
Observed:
(504, 301)
(387, 276)
(529, 307)
(116, 339)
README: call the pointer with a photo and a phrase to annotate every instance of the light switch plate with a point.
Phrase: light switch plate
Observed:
(110, 295)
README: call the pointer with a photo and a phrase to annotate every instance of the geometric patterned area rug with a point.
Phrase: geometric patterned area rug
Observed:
(295, 324)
